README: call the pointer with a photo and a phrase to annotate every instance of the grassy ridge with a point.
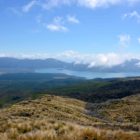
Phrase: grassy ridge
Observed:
(125, 110)
(59, 118)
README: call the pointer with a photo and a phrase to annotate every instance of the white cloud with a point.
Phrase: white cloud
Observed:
(86, 3)
(26, 8)
(48, 4)
(58, 24)
(98, 3)
(54, 3)
(124, 40)
(139, 40)
(133, 14)
(72, 19)
(26, 55)
(102, 59)
(105, 3)
(56, 27)
(58, 20)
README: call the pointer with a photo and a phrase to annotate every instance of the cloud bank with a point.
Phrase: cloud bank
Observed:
(101, 59)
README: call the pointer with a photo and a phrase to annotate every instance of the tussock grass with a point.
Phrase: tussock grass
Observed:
(63, 131)
(124, 110)
(58, 118)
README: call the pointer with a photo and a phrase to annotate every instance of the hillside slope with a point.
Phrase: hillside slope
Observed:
(125, 110)
(59, 118)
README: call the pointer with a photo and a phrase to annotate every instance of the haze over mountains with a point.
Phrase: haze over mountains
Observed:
(13, 65)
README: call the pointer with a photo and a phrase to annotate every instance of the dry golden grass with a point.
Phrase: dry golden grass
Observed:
(57, 118)
(65, 109)
(51, 130)
(125, 110)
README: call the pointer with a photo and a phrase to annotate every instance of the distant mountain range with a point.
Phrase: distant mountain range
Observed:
(14, 65)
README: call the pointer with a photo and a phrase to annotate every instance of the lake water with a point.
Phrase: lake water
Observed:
(87, 74)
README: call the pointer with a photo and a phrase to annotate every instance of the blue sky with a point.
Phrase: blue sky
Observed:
(83, 30)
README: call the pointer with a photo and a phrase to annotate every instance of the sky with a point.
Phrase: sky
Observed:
(99, 32)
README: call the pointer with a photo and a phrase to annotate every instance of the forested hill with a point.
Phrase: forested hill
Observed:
(17, 87)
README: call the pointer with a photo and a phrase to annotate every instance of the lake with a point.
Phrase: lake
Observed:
(87, 74)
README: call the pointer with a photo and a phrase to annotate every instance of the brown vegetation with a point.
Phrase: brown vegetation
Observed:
(58, 118)
(126, 110)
